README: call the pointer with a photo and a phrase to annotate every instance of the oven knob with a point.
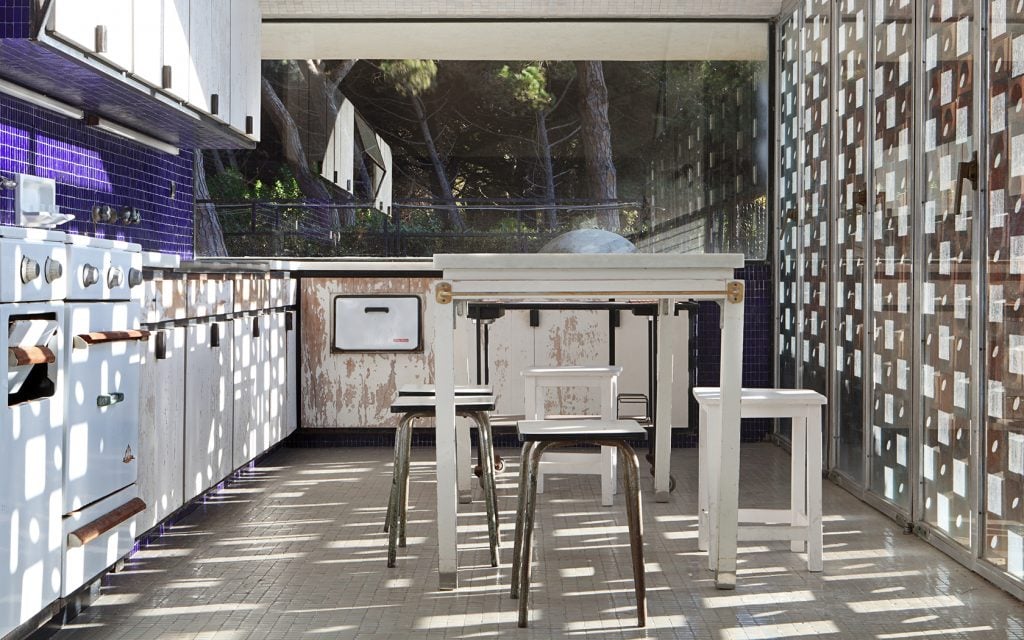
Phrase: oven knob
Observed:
(29, 269)
(90, 275)
(53, 270)
(134, 277)
(115, 277)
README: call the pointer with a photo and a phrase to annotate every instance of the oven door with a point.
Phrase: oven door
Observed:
(102, 431)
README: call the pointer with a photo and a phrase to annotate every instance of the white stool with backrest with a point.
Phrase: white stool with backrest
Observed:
(535, 379)
(802, 521)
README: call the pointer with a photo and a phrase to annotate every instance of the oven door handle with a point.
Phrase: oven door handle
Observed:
(86, 340)
(109, 399)
(24, 356)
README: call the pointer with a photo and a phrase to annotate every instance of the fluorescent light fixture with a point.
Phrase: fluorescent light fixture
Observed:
(130, 134)
(40, 100)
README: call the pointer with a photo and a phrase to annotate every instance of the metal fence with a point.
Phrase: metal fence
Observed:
(423, 228)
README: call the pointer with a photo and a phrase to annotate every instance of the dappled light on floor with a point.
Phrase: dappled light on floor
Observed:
(298, 550)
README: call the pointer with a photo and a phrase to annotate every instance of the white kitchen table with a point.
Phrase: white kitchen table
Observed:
(662, 277)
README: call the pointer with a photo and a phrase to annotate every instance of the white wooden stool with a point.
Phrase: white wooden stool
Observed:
(535, 379)
(804, 515)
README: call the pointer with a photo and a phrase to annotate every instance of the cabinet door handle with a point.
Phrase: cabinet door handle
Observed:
(214, 335)
(256, 327)
(109, 399)
(161, 345)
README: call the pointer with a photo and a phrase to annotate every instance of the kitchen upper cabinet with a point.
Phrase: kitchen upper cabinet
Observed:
(177, 62)
(147, 38)
(102, 28)
(246, 72)
(210, 49)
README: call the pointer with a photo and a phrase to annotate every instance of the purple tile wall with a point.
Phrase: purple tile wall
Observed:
(15, 18)
(93, 167)
(758, 341)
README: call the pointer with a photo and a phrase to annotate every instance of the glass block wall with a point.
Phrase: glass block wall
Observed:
(900, 257)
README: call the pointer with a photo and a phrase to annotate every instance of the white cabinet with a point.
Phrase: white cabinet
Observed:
(177, 61)
(162, 425)
(147, 38)
(102, 28)
(291, 418)
(246, 72)
(210, 50)
(277, 370)
(208, 406)
(250, 405)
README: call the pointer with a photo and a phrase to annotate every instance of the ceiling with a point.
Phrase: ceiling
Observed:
(544, 40)
(313, 10)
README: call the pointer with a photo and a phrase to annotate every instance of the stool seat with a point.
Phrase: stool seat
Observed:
(428, 404)
(460, 390)
(803, 516)
(538, 436)
(583, 430)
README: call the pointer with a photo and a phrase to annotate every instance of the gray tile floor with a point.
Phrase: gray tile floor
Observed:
(294, 549)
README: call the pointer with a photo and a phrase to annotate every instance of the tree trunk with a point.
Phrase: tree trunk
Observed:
(208, 233)
(596, 133)
(455, 221)
(544, 153)
(294, 154)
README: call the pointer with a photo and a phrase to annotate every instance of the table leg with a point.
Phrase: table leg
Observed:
(663, 407)
(446, 467)
(797, 477)
(703, 476)
(814, 517)
(726, 511)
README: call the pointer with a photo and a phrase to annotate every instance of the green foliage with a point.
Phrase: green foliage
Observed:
(232, 186)
(529, 85)
(410, 77)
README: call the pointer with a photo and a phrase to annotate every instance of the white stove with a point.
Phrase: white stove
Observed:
(101, 432)
(32, 289)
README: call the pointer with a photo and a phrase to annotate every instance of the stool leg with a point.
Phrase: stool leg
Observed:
(636, 529)
(608, 476)
(490, 496)
(527, 548)
(702, 481)
(517, 543)
(393, 497)
(814, 527)
(401, 469)
(797, 480)
(403, 502)
(463, 457)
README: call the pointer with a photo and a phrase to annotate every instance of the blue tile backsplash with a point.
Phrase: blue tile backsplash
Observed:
(15, 18)
(93, 167)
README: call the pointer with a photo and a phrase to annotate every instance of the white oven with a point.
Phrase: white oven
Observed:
(103, 354)
(31, 419)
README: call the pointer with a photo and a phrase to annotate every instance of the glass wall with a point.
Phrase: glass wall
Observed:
(850, 248)
(1003, 453)
(924, 189)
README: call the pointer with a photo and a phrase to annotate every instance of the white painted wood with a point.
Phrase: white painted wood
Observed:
(447, 493)
(202, 78)
(804, 514)
(176, 27)
(663, 406)
(277, 365)
(75, 22)
(246, 397)
(208, 407)
(245, 43)
(632, 354)
(553, 277)
(147, 40)
(339, 156)
(383, 178)
(162, 428)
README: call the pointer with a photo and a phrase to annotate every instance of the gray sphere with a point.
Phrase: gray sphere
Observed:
(589, 241)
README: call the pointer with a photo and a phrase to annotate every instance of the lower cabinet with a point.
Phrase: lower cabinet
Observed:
(208, 405)
(162, 425)
(291, 398)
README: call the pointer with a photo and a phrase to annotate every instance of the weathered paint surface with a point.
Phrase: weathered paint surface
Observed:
(356, 389)
(162, 429)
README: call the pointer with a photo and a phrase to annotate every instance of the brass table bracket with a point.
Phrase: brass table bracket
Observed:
(443, 293)
(734, 291)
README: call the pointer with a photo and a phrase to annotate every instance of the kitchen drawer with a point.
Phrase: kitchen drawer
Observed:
(85, 562)
(209, 296)
(164, 299)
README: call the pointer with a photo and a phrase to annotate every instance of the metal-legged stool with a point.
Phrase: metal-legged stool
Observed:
(539, 435)
(414, 407)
